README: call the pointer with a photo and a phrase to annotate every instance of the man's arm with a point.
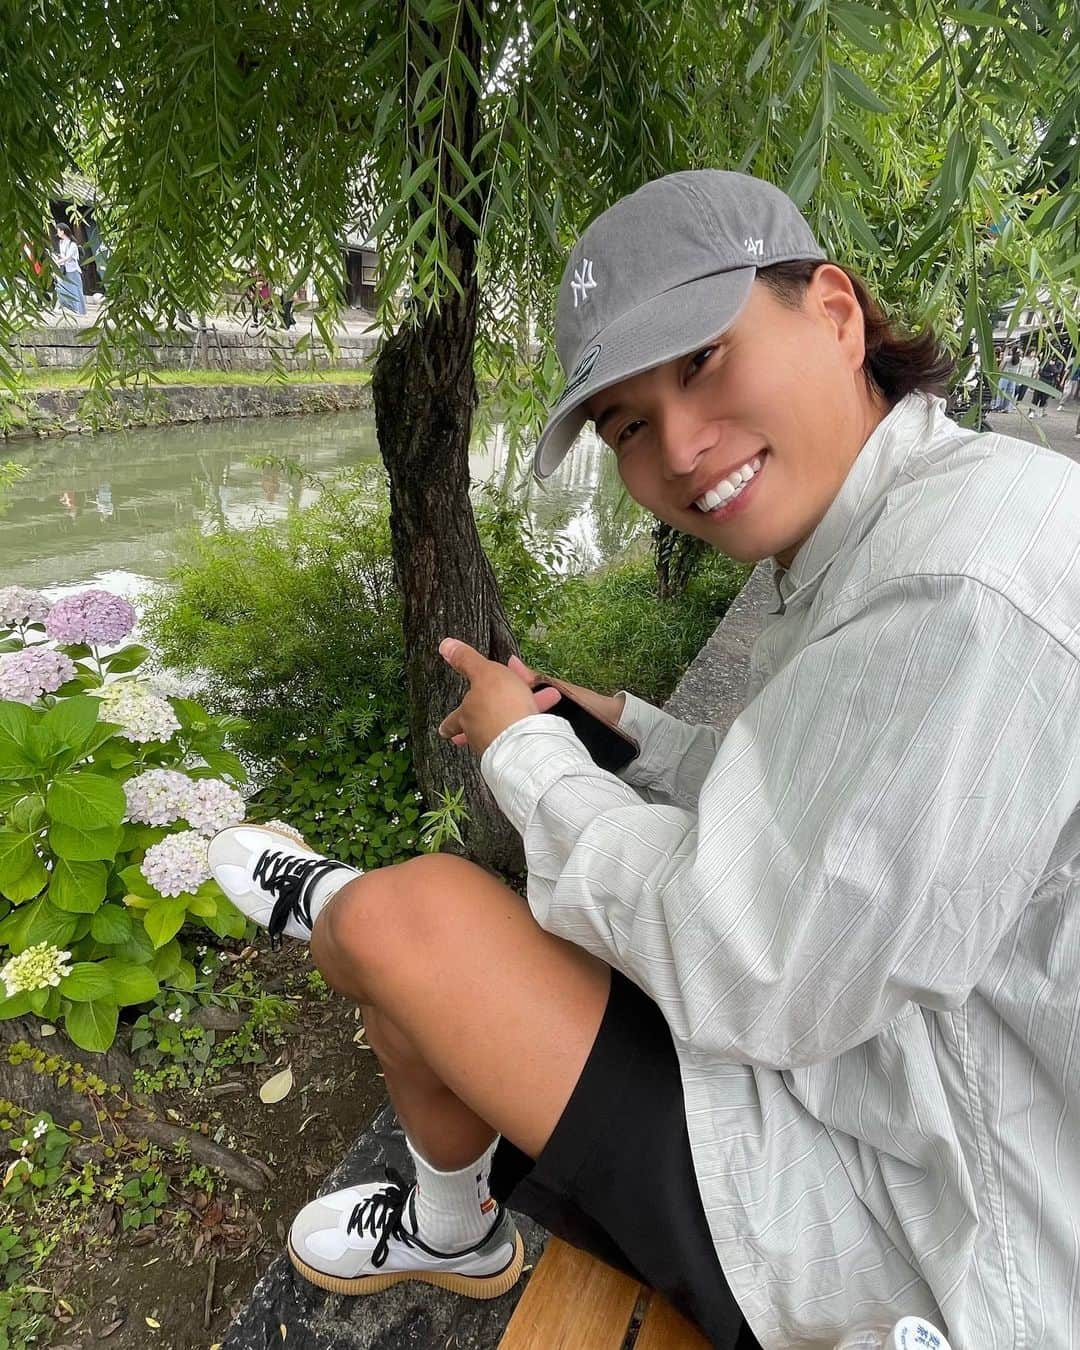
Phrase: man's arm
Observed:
(873, 824)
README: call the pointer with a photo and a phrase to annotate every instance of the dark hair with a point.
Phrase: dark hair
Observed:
(896, 363)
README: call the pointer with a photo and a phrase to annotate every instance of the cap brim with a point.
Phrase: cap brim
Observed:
(667, 326)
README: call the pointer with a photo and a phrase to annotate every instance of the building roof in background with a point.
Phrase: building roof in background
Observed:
(77, 188)
(355, 238)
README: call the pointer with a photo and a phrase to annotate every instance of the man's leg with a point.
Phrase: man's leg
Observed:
(481, 1020)
(483, 1023)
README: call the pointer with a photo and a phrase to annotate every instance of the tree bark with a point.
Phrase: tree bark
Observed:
(424, 390)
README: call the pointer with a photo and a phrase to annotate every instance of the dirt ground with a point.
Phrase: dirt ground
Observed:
(168, 1275)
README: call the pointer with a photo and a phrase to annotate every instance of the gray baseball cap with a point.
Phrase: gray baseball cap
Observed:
(658, 275)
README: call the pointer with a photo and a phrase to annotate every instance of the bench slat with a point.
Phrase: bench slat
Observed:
(571, 1303)
(666, 1329)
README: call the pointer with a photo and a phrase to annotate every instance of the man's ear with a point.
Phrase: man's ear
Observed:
(831, 296)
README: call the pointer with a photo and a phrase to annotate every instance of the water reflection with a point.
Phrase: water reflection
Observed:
(110, 509)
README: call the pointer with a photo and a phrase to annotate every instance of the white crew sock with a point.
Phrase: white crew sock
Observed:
(328, 886)
(453, 1209)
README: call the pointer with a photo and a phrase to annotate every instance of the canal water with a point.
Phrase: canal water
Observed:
(112, 509)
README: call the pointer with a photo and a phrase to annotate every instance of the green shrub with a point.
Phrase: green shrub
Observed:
(610, 632)
(297, 630)
(107, 790)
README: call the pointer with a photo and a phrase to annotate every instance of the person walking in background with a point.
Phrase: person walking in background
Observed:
(1049, 373)
(1029, 364)
(69, 284)
(1010, 369)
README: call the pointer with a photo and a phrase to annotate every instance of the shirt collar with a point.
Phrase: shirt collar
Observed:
(875, 469)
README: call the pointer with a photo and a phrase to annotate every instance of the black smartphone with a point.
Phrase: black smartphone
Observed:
(608, 746)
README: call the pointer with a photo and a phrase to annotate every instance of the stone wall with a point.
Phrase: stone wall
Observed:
(59, 411)
(67, 347)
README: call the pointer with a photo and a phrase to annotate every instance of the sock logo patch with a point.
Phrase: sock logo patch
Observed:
(486, 1206)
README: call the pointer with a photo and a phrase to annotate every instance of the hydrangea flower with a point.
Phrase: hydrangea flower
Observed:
(158, 796)
(26, 675)
(211, 805)
(90, 616)
(177, 865)
(141, 715)
(19, 604)
(36, 968)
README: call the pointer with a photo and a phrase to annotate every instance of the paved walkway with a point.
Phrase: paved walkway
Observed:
(1056, 429)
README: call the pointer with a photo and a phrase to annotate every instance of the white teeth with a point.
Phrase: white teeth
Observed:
(729, 487)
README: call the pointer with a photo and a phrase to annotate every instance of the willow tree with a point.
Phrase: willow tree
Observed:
(931, 144)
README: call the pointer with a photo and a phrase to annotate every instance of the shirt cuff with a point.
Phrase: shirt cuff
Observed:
(656, 732)
(523, 761)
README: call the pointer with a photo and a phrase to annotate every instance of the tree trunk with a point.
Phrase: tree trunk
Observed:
(424, 389)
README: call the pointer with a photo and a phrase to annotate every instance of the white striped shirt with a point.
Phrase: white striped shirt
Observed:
(859, 909)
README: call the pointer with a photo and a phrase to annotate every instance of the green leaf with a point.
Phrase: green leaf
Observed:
(137, 884)
(17, 858)
(166, 962)
(46, 923)
(165, 919)
(92, 1026)
(111, 924)
(86, 801)
(86, 982)
(31, 883)
(856, 91)
(184, 977)
(79, 845)
(14, 1006)
(17, 758)
(129, 983)
(137, 947)
(227, 922)
(78, 886)
(69, 725)
(127, 658)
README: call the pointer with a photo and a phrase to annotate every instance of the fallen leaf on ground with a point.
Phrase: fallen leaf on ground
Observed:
(276, 1088)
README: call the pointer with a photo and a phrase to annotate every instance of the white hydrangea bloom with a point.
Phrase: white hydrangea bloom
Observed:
(141, 715)
(158, 796)
(211, 805)
(177, 865)
(38, 967)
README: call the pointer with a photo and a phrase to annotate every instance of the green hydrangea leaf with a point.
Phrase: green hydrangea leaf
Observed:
(86, 801)
(164, 920)
(92, 1026)
(82, 845)
(111, 924)
(129, 983)
(78, 886)
(86, 983)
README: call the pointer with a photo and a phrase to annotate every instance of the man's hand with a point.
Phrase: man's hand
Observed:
(498, 696)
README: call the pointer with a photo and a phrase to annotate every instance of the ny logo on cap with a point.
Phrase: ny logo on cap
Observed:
(583, 282)
(755, 247)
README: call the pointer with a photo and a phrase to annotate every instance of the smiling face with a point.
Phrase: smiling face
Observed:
(745, 443)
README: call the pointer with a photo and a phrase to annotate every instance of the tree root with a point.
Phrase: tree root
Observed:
(52, 1074)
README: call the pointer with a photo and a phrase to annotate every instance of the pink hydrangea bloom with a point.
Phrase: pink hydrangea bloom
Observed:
(90, 616)
(211, 805)
(26, 675)
(20, 604)
(158, 796)
(177, 866)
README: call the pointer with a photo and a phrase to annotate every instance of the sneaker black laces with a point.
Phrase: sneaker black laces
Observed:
(291, 878)
(380, 1215)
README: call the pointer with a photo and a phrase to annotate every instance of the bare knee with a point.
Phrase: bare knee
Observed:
(387, 917)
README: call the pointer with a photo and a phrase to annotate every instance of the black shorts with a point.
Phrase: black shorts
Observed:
(616, 1177)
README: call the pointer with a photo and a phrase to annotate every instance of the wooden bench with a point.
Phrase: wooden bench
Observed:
(573, 1302)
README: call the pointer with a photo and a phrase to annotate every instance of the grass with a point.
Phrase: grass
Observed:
(77, 379)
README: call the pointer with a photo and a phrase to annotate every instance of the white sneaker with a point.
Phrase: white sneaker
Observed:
(363, 1239)
(274, 877)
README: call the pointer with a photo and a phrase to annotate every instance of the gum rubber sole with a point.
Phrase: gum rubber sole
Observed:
(472, 1286)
